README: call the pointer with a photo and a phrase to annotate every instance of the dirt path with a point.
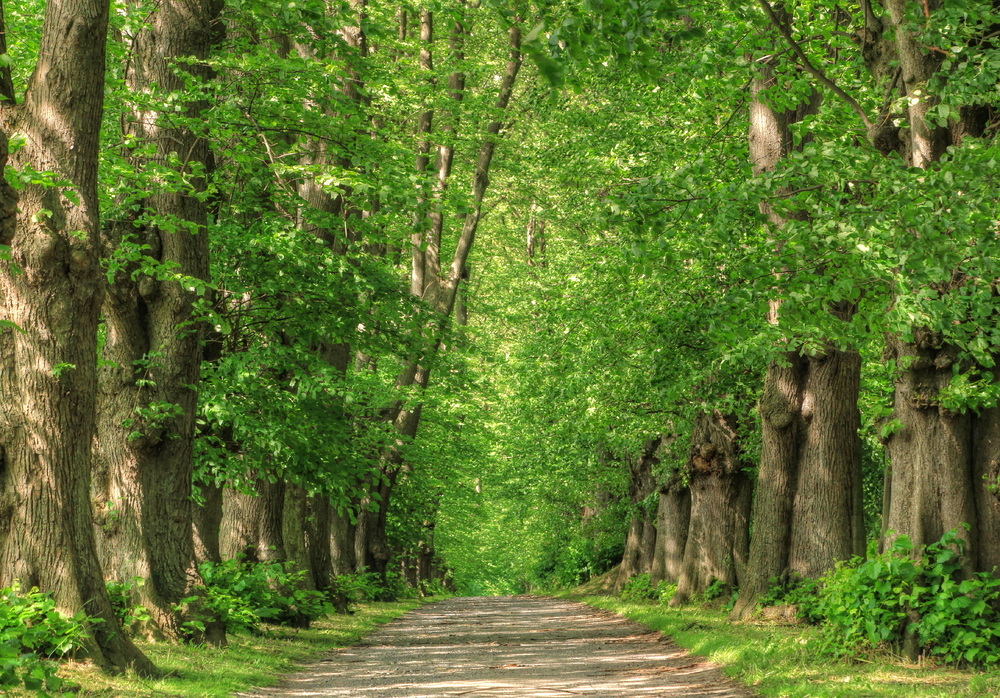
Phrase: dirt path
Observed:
(509, 646)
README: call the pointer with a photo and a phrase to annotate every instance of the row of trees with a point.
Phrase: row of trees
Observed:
(235, 238)
(768, 302)
(521, 290)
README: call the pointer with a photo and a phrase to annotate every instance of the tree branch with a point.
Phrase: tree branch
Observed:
(809, 67)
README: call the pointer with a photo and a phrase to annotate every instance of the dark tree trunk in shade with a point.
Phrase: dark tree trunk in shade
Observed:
(672, 521)
(294, 515)
(252, 524)
(208, 524)
(318, 541)
(718, 534)
(640, 541)
(986, 480)
(343, 555)
(51, 287)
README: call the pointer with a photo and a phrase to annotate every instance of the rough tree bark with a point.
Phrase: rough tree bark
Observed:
(719, 534)
(640, 540)
(51, 288)
(805, 510)
(939, 457)
(673, 517)
(152, 355)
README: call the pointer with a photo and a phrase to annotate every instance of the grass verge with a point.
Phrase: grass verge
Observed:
(784, 660)
(247, 662)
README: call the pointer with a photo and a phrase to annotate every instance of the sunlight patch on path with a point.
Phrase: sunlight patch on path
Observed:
(509, 646)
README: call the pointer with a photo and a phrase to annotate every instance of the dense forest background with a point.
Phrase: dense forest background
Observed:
(492, 295)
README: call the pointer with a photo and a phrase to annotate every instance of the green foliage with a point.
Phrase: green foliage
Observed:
(800, 592)
(876, 602)
(638, 588)
(122, 597)
(245, 594)
(33, 632)
(369, 586)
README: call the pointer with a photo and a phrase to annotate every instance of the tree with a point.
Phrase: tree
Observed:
(52, 291)
(154, 320)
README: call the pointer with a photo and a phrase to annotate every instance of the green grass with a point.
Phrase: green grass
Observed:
(248, 661)
(784, 660)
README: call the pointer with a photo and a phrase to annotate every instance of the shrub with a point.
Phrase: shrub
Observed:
(122, 596)
(800, 592)
(889, 598)
(356, 588)
(639, 588)
(32, 633)
(243, 595)
(665, 591)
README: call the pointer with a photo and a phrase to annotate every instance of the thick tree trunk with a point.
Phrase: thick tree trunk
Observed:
(208, 525)
(718, 537)
(252, 525)
(938, 457)
(672, 522)
(51, 288)
(342, 542)
(779, 405)
(152, 353)
(640, 541)
(805, 510)
(932, 453)
(826, 523)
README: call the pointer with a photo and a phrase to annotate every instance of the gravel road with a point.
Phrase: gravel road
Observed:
(509, 646)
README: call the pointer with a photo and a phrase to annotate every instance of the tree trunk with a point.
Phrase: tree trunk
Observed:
(252, 523)
(51, 288)
(640, 541)
(672, 522)
(938, 457)
(342, 542)
(986, 479)
(152, 353)
(779, 405)
(805, 510)
(293, 532)
(318, 541)
(208, 524)
(932, 453)
(718, 537)
(826, 524)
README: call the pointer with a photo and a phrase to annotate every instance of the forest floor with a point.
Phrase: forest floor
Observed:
(509, 646)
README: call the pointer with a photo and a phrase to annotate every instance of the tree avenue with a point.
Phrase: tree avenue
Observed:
(492, 297)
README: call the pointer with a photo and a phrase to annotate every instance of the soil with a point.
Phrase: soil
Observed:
(509, 646)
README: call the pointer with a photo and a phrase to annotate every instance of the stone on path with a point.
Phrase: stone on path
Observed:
(510, 646)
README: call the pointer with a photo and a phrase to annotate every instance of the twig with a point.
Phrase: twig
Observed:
(810, 68)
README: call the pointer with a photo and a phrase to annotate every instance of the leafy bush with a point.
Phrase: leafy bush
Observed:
(433, 587)
(639, 588)
(356, 588)
(877, 602)
(243, 595)
(665, 591)
(32, 632)
(122, 596)
(800, 592)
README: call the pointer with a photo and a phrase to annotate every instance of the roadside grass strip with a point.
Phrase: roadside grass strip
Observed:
(784, 660)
